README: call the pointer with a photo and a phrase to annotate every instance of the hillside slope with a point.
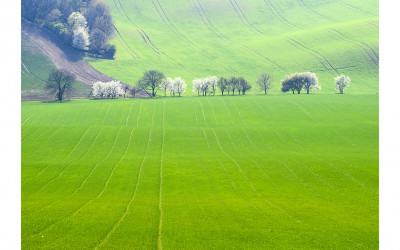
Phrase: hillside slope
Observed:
(199, 38)
(41, 52)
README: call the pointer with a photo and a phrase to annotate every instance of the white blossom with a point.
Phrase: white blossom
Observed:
(166, 85)
(110, 89)
(81, 38)
(341, 82)
(179, 86)
(76, 19)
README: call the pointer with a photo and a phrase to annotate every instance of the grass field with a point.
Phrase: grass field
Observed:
(198, 38)
(254, 172)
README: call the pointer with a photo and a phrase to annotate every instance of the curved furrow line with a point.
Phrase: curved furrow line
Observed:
(304, 6)
(30, 73)
(156, 50)
(243, 17)
(316, 52)
(279, 208)
(208, 20)
(52, 180)
(356, 8)
(83, 182)
(149, 43)
(160, 207)
(48, 165)
(316, 57)
(204, 22)
(320, 178)
(276, 206)
(212, 108)
(354, 41)
(359, 44)
(179, 34)
(122, 41)
(266, 58)
(90, 200)
(374, 24)
(202, 110)
(279, 16)
(129, 205)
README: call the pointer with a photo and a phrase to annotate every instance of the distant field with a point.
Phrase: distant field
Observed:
(255, 172)
(198, 38)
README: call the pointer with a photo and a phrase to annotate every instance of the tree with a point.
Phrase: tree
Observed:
(125, 89)
(76, 20)
(264, 82)
(233, 84)
(197, 86)
(165, 85)
(244, 85)
(81, 39)
(310, 81)
(98, 16)
(341, 82)
(222, 84)
(212, 83)
(98, 40)
(293, 82)
(60, 82)
(179, 86)
(151, 81)
(98, 89)
(110, 89)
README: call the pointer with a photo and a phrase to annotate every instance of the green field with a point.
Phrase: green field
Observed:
(250, 172)
(199, 38)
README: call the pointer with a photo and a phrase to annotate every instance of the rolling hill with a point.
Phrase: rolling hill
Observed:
(198, 38)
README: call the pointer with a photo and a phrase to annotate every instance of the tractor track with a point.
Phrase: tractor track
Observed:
(141, 32)
(341, 36)
(304, 6)
(208, 23)
(147, 39)
(119, 37)
(243, 17)
(314, 53)
(174, 29)
(30, 74)
(356, 8)
(222, 37)
(279, 16)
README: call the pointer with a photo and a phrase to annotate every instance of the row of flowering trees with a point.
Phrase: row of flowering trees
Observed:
(153, 81)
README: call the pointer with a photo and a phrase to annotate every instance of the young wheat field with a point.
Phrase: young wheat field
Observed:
(254, 172)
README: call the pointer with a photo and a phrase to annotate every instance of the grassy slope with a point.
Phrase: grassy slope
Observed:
(38, 64)
(226, 37)
(237, 172)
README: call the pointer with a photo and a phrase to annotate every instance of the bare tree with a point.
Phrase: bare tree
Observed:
(151, 81)
(60, 82)
(222, 84)
(264, 82)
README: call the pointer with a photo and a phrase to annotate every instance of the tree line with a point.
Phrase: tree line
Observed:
(61, 81)
(84, 24)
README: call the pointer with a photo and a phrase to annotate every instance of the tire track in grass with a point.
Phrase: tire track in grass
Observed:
(137, 118)
(212, 108)
(65, 168)
(330, 163)
(50, 164)
(341, 36)
(279, 16)
(128, 207)
(177, 32)
(207, 24)
(160, 222)
(356, 8)
(83, 182)
(320, 178)
(243, 17)
(148, 42)
(121, 41)
(223, 37)
(305, 6)
(90, 200)
(279, 208)
(202, 110)
(139, 30)
(314, 53)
